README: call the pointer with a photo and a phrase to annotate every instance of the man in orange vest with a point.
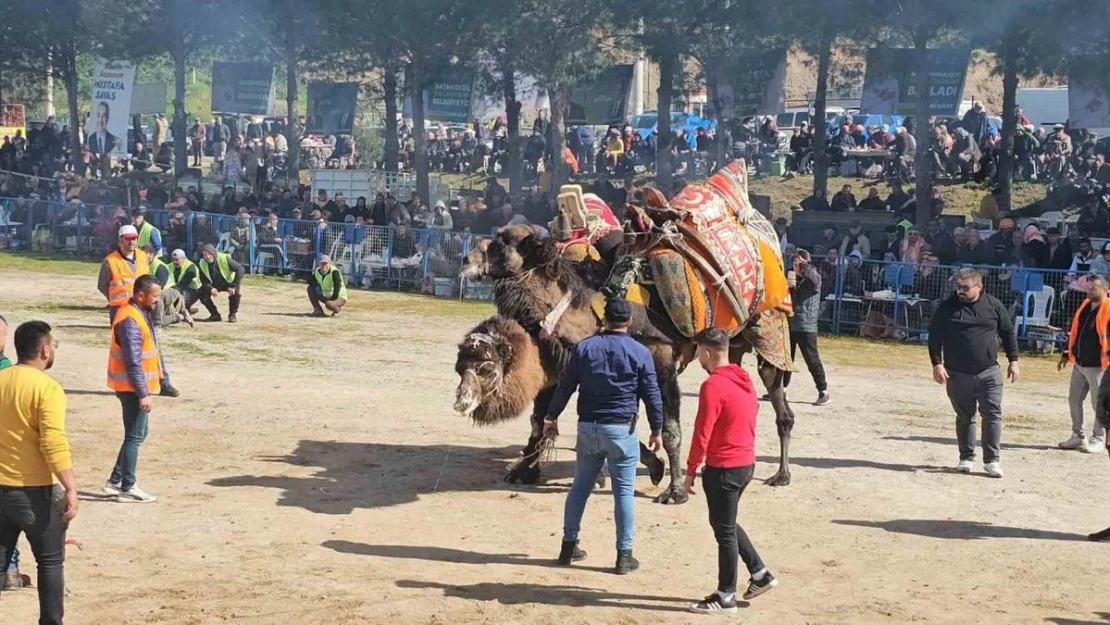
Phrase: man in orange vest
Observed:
(1089, 351)
(117, 278)
(134, 371)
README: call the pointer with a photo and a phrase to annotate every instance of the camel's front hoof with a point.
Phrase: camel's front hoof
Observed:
(523, 475)
(782, 478)
(673, 495)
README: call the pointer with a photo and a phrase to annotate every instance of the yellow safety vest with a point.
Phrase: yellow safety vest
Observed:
(221, 263)
(151, 363)
(180, 271)
(326, 282)
(157, 264)
(145, 234)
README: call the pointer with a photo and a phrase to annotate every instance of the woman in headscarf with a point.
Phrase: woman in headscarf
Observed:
(1034, 252)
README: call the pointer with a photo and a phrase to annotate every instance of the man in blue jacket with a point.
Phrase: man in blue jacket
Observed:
(612, 373)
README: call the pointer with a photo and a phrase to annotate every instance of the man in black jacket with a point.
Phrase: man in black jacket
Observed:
(963, 347)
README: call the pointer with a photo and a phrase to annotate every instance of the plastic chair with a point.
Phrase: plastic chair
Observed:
(224, 242)
(1038, 307)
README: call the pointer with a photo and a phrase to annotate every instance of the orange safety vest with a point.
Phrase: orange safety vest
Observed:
(151, 363)
(121, 279)
(1102, 321)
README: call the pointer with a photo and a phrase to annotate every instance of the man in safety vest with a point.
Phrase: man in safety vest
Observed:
(134, 371)
(148, 234)
(186, 278)
(120, 269)
(220, 272)
(326, 286)
(1089, 350)
(171, 306)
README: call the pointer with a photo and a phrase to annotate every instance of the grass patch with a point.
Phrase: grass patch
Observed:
(29, 262)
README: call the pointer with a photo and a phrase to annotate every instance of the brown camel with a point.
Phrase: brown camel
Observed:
(532, 280)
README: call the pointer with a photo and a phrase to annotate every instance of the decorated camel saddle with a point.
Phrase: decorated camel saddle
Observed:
(583, 220)
(714, 262)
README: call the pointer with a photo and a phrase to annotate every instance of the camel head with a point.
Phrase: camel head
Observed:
(516, 249)
(499, 372)
(475, 265)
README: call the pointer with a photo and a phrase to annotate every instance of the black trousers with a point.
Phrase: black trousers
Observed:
(37, 512)
(232, 301)
(808, 342)
(723, 488)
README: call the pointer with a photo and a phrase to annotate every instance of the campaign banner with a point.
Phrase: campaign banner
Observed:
(110, 110)
(242, 88)
(603, 100)
(449, 96)
(331, 108)
(12, 118)
(757, 85)
(149, 98)
(890, 86)
(1088, 93)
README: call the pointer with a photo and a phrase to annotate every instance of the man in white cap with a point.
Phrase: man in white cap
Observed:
(186, 278)
(120, 269)
(327, 287)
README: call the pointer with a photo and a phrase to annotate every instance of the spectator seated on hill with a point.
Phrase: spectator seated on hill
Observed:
(816, 202)
(844, 200)
(897, 198)
(872, 202)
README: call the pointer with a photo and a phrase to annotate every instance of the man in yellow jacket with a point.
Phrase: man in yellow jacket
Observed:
(34, 459)
(134, 371)
(326, 286)
(1089, 350)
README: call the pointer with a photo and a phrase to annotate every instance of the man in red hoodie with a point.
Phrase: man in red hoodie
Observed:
(724, 436)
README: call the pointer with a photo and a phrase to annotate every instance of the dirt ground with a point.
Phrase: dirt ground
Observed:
(313, 472)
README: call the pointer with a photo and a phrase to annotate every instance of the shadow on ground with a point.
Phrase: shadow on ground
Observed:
(940, 440)
(442, 554)
(1104, 618)
(959, 530)
(350, 476)
(570, 596)
(848, 463)
(71, 391)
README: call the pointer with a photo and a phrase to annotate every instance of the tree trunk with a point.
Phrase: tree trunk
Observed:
(664, 178)
(820, 118)
(180, 141)
(512, 132)
(721, 143)
(420, 158)
(922, 131)
(560, 96)
(294, 157)
(392, 142)
(69, 67)
(1009, 122)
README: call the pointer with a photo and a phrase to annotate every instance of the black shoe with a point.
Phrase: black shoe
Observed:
(713, 604)
(1099, 537)
(823, 399)
(318, 313)
(215, 317)
(169, 391)
(570, 553)
(626, 563)
(233, 318)
(758, 588)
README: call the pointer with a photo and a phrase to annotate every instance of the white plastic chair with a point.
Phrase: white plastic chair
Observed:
(1038, 306)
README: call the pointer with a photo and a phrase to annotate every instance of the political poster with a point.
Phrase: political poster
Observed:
(149, 98)
(332, 107)
(242, 88)
(12, 118)
(603, 100)
(890, 86)
(110, 107)
(448, 97)
(1088, 93)
(756, 85)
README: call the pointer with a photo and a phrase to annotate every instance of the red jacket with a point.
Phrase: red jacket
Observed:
(724, 432)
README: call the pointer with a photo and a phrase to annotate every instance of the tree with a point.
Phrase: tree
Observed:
(505, 48)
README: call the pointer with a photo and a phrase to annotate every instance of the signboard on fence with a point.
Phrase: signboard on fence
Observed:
(603, 100)
(12, 118)
(890, 87)
(757, 84)
(1088, 93)
(332, 107)
(242, 88)
(110, 108)
(149, 98)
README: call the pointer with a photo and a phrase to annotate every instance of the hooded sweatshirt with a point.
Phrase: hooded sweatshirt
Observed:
(724, 432)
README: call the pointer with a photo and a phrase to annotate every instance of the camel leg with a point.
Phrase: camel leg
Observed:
(528, 470)
(675, 493)
(774, 379)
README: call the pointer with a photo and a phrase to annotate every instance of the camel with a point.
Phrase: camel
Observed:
(552, 300)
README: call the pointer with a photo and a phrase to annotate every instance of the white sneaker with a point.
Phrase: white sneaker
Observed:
(1075, 442)
(135, 495)
(964, 466)
(993, 469)
(1093, 446)
(111, 488)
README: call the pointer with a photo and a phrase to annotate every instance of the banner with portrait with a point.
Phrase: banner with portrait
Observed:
(890, 86)
(331, 108)
(242, 88)
(752, 84)
(110, 108)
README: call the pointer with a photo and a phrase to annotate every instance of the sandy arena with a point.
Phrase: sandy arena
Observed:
(297, 480)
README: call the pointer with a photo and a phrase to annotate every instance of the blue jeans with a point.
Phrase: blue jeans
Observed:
(13, 566)
(597, 444)
(134, 433)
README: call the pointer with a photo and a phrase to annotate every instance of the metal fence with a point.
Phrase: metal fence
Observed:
(897, 300)
(383, 257)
